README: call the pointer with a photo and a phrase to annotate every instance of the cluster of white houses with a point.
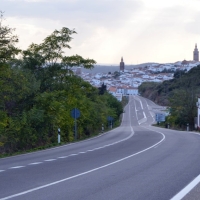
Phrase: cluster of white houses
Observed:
(124, 90)
(127, 81)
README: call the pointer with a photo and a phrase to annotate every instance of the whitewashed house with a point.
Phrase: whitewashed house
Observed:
(122, 90)
(132, 91)
(118, 96)
(112, 90)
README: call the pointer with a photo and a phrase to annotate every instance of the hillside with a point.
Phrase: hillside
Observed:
(161, 92)
(180, 94)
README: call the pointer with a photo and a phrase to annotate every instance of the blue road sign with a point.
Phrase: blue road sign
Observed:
(109, 118)
(75, 113)
(160, 117)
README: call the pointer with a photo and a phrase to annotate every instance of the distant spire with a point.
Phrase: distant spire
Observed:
(196, 54)
(121, 65)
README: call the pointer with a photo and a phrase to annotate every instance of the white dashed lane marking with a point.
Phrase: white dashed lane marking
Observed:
(17, 167)
(63, 157)
(49, 160)
(36, 163)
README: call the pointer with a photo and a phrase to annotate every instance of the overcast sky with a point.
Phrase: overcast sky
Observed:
(139, 30)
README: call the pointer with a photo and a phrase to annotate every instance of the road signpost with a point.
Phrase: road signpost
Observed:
(160, 117)
(75, 113)
(110, 119)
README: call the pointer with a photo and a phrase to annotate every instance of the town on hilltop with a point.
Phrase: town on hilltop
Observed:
(126, 81)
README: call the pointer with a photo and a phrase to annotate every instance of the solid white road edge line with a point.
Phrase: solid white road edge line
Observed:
(84, 173)
(186, 189)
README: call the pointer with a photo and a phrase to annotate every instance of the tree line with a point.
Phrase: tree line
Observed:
(38, 89)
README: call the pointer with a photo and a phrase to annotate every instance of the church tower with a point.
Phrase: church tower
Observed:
(196, 54)
(121, 65)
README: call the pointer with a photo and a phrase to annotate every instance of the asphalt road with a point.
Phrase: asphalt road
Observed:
(135, 161)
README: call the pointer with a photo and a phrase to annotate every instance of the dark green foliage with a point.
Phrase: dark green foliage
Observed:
(179, 73)
(102, 89)
(37, 94)
(116, 74)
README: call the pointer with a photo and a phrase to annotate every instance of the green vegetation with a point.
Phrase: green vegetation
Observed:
(38, 91)
(179, 94)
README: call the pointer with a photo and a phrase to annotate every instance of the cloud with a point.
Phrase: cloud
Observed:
(192, 24)
(88, 11)
(139, 30)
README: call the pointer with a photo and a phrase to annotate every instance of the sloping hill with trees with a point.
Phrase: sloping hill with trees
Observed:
(180, 94)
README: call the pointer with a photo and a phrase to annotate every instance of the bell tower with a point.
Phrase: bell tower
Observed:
(196, 54)
(121, 65)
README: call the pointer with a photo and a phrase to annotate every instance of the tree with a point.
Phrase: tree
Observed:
(47, 61)
(102, 89)
(7, 42)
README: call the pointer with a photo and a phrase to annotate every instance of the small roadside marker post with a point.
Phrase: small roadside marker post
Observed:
(187, 127)
(58, 135)
(102, 128)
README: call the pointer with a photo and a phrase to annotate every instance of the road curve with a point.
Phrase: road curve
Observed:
(135, 161)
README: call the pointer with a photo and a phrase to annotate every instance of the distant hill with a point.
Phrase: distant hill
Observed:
(112, 68)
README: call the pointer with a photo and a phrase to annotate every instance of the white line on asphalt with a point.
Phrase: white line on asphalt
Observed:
(2, 170)
(158, 145)
(135, 109)
(35, 163)
(17, 167)
(49, 160)
(144, 114)
(63, 157)
(141, 105)
(187, 189)
(84, 173)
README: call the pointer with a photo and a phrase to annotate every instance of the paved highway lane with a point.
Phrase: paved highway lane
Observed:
(134, 161)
